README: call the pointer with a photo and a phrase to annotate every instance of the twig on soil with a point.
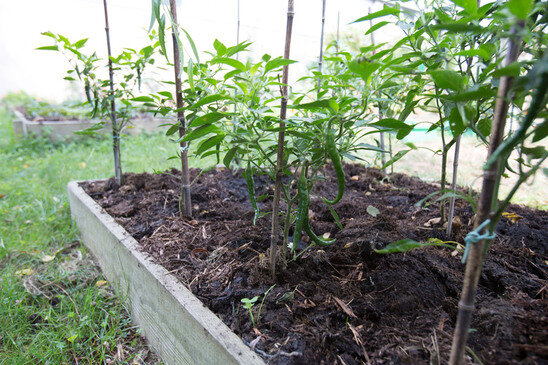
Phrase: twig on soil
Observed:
(359, 342)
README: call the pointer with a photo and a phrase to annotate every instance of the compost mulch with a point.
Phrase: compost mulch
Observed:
(344, 303)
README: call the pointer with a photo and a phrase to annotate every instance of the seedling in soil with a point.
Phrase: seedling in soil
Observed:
(249, 303)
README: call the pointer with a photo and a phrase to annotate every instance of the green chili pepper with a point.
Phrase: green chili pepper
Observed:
(302, 208)
(317, 240)
(248, 175)
(333, 153)
(87, 89)
(302, 215)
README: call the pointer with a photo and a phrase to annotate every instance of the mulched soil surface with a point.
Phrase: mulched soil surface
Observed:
(345, 303)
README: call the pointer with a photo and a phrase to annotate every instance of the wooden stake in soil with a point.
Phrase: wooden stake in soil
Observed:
(185, 204)
(115, 127)
(280, 153)
(338, 21)
(320, 62)
(489, 187)
(453, 187)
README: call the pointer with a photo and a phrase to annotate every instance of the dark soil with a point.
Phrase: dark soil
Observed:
(344, 304)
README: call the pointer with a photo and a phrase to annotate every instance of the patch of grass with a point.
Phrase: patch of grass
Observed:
(54, 311)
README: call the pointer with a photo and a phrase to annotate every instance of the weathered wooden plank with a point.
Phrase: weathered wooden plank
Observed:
(173, 320)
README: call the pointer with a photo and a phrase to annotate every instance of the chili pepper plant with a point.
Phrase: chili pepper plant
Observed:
(107, 98)
(451, 51)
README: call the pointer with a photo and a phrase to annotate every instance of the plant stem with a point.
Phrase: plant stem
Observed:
(115, 127)
(390, 152)
(280, 152)
(453, 187)
(185, 205)
(490, 176)
(287, 226)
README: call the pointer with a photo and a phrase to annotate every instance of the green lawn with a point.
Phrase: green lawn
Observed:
(52, 310)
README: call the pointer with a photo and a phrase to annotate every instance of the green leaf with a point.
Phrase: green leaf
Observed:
(471, 6)
(166, 94)
(386, 10)
(229, 61)
(479, 52)
(484, 92)
(374, 212)
(174, 128)
(520, 8)
(231, 51)
(192, 45)
(190, 73)
(484, 127)
(376, 27)
(219, 47)
(48, 48)
(390, 123)
(207, 119)
(457, 27)
(206, 100)
(80, 43)
(276, 63)
(448, 79)
(200, 132)
(48, 34)
(534, 153)
(229, 156)
(456, 123)
(394, 159)
(209, 143)
(154, 14)
(363, 68)
(511, 70)
(401, 246)
(318, 104)
(541, 131)
(335, 216)
(143, 99)
(232, 73)
(408, 244)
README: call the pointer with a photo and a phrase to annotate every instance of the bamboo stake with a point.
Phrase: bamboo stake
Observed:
(238, 29)
(234, 122)
(338, 21)
(115, 127)
(185, 205)
(489, 186)
(453, 187)
(320, 62)
(281, 136)
(382, 144)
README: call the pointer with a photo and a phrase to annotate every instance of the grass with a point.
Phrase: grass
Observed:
(54, 306)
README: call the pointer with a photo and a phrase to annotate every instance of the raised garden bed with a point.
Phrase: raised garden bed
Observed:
(63, 129)
(173, 320)
(344, 304)
(57, 130)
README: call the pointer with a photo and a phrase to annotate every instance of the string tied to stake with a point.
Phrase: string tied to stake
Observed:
(476, 236)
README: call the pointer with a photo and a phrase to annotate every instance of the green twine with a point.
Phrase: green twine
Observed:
(475, 236)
